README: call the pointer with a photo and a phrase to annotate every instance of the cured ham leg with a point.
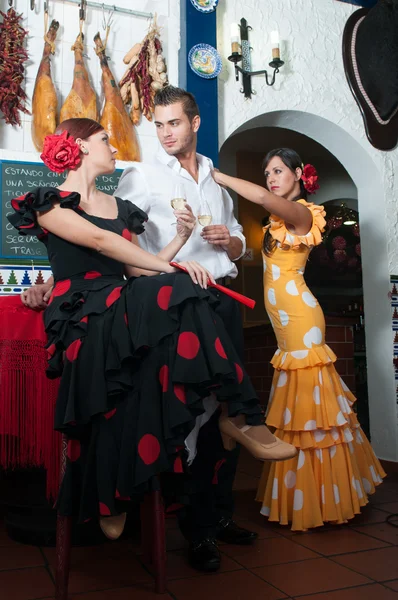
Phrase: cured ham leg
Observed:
(81, 100)
(44, 101)
(114, 118)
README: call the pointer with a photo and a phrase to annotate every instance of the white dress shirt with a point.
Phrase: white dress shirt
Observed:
(151, 187)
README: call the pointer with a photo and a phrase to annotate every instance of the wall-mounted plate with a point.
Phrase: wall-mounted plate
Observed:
(205, 61)
(205, 6)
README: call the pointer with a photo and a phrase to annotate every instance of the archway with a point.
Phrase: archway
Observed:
(370, 191)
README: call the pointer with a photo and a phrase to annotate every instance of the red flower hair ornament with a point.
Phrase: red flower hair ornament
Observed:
(310, 178)
(60, 152)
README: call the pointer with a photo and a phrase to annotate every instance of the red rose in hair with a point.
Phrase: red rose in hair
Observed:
(60, 152)
(310, 178)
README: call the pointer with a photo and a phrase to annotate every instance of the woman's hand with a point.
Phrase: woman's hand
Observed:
(198, 274)
(37, 296)
(218, 177)
(186, 222)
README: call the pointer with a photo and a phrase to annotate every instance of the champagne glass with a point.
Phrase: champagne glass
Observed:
(178, 200)
(204, 217)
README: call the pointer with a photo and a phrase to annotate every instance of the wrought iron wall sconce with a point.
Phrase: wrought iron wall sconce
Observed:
(241, 53)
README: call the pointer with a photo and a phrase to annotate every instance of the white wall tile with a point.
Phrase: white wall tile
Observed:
(12, 137)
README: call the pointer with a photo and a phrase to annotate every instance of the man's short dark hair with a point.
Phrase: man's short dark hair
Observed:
(171, 95)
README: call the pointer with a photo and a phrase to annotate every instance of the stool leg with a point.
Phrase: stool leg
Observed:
(63, 548)
(146, 528)
(159, 542)
(63, 539)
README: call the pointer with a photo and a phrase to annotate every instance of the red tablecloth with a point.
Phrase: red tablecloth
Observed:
(27, 397)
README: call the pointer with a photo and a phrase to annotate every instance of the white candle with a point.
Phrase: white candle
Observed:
(275, 44)
(235, 37)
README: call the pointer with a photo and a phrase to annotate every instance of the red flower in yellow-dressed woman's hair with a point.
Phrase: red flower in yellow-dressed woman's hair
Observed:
(310, 178)
(60, 152)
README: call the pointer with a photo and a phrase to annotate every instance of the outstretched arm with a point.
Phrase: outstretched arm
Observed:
(292, 213)
(68, 225)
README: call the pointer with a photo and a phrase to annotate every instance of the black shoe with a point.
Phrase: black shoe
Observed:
(205, 555)
(230, 533)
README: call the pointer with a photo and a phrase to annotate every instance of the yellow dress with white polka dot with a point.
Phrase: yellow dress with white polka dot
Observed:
(310, 405)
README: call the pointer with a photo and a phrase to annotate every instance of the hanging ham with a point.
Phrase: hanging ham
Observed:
(114, 118)
(81, 100)
(44, 101)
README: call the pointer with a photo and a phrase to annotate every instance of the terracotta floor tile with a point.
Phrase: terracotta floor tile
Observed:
(178, 566)
(370, 514)
(4, 539)
(81, 554)
(175, 540)
(310, 576)
(129, 593)
(19, 556)
(106, 573)
(380, 565)
(240, 585)
(271, 551)
(339, 541)
(384, 493)
(247, 508)
(382, 531)
(264, 530)
(364, 592)
(26, 584)
(390, 507)
(392, 584)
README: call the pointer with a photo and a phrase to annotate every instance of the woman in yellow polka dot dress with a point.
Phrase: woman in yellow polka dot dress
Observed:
(310, 405)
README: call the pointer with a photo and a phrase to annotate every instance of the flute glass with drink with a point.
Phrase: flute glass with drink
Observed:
(205, 217)
(178, 200)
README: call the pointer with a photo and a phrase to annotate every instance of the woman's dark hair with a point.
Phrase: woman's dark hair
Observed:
(292, 160)
(79, 128)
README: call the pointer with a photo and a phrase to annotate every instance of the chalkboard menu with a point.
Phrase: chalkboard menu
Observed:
(18, 178)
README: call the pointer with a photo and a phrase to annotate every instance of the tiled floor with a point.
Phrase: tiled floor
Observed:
(358, 561)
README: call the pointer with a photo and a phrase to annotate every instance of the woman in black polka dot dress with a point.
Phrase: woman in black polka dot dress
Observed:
(137, 356)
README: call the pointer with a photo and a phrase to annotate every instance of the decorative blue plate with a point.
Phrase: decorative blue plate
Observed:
(205, 6)
(205, 61)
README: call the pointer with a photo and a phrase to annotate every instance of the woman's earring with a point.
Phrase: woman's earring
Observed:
(84, 150)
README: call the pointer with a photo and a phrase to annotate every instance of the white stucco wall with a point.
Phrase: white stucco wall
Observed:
(126, 30)
(311, 96)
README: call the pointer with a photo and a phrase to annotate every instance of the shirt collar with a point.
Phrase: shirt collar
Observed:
(204, 163)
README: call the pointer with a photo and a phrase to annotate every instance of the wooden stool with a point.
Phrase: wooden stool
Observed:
(153, 538)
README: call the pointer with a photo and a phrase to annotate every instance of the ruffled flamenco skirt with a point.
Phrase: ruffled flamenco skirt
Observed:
(136, 359)
(336, 468)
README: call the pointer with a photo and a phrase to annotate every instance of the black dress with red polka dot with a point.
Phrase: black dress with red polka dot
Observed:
(136, 358)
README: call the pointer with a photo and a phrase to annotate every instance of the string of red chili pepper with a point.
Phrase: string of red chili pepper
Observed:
(12, 72)
(139, 73)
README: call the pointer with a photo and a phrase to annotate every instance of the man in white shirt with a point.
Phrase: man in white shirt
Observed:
(178, 171)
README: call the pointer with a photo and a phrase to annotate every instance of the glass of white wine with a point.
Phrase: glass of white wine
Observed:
(204, 217)
(178, 200)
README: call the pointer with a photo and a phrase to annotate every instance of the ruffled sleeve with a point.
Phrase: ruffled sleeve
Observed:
(134, 217)
(287, 239)
(40, 200)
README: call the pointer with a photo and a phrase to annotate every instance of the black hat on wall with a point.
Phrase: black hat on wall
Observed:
(370, 54)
